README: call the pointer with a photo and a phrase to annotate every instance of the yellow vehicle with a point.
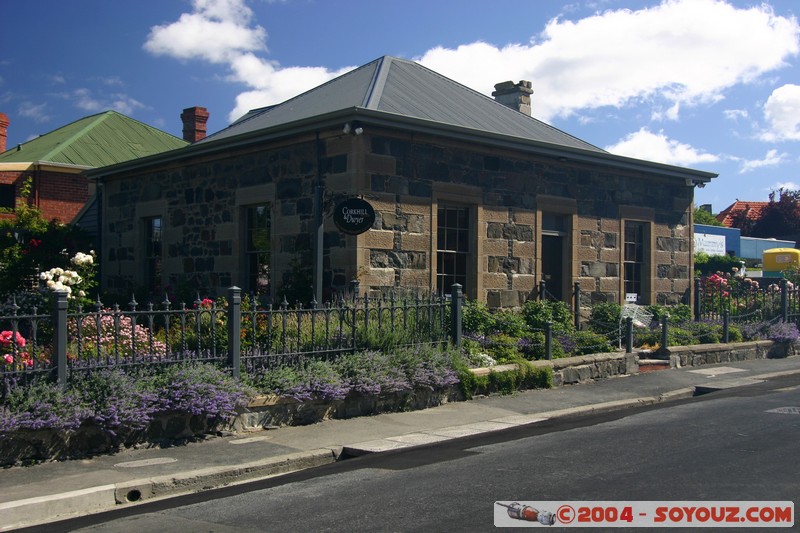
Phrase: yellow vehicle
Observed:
(776, 260)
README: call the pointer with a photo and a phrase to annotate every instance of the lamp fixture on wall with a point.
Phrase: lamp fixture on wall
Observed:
(354, 128)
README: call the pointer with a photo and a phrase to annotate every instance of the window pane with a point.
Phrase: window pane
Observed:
(453, 238)
(153, 252)
(258, 232)
(635, 253)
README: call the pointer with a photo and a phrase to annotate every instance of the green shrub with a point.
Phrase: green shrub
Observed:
(476, 318)
(705, 264)
(510, 323)
(588, 342)
(605, 318)
(677, 313)
(503, 348)
(678, 336)
(537, 313)
(525, 376)
(533, 346)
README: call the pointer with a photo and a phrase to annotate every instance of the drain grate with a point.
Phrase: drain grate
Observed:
(786, 410)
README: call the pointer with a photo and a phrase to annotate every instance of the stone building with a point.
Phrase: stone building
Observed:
(465, 188)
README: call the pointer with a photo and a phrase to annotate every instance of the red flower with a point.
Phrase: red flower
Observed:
(207, 303)
(7, 336)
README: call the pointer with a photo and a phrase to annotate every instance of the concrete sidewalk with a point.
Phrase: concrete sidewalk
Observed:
(51, 491)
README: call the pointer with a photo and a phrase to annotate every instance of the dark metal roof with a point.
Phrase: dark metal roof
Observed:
(400, 87)
(394, 92)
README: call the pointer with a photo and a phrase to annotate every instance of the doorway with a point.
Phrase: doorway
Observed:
(553, 254)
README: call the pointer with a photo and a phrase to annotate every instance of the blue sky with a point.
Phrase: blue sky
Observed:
(708, 84)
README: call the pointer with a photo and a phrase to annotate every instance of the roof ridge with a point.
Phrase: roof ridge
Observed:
(378, 82)
(266, 109)
(495, 102)
(98, 118)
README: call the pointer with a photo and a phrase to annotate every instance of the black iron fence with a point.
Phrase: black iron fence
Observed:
(235, 332)
(746, 300)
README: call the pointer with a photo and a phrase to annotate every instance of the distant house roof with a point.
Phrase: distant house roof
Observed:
(395, 92)
(750, 210)
(94, 141)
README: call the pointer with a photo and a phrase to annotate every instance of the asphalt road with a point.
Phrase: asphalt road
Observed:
(724, 446)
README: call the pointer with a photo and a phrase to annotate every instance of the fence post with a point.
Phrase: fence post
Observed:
(784, 301)
(60, 339)
(577, 309)
(542, 290)
(548, 340)
(664, 332)
(697, 299)
(354, 287)
(456, 314)
(628, 334)
(726, 318)
(234, 330)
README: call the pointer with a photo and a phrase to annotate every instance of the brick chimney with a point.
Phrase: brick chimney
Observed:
(194, 123)
(516, 96)
(3, 131)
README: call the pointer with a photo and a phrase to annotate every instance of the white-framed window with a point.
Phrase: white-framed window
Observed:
(453, 250)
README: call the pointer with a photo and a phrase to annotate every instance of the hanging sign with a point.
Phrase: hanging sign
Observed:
(354, 216)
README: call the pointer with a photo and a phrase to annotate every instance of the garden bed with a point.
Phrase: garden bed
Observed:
(25, 446)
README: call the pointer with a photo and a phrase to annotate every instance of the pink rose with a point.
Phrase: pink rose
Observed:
(8, 358)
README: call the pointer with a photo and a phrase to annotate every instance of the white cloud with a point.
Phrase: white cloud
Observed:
(650, 146)
(614, 58)
(771, 159)
(782, 113)
(37, 112)
(735, 114)
(786, 186)
(272, 83)
(86, 100)
(217, 31)
(668, 55)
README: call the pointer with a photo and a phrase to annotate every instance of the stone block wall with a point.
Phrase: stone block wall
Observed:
(202, 203)
(505, 189)
(404, 177)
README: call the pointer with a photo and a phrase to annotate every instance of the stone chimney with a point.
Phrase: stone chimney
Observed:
(194, 123)
(516, 96)
(3, 131)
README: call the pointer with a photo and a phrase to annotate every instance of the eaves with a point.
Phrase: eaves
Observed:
(369, 117)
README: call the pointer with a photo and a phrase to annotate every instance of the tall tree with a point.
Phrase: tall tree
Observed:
(701, 216)
(781, 216)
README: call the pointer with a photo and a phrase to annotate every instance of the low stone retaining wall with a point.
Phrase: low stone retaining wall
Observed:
(30, 445)
(708, 354)
(270, 411)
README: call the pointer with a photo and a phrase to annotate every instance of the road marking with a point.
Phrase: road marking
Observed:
(248, 440)
(786, 410)
(146, 462)
(717, 371)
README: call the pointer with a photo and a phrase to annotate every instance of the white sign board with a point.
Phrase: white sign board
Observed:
(710, 244)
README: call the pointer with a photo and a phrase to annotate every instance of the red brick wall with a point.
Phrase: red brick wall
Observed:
(58, 195)
(61, 196)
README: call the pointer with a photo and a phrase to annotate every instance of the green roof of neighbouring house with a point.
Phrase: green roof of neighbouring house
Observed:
(95, 141)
